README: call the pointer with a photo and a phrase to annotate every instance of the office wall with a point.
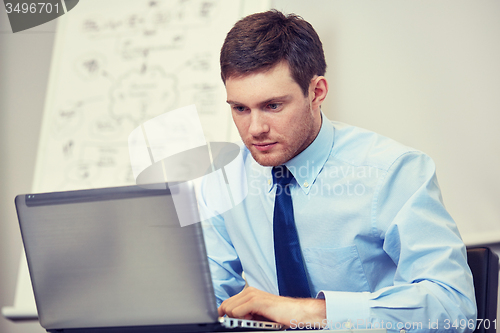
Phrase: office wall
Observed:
(425, 73)
(24, 69)
(366, 87)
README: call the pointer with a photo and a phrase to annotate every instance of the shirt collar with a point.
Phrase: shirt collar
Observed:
(306, 166)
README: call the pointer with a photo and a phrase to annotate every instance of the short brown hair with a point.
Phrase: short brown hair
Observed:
(260, 41)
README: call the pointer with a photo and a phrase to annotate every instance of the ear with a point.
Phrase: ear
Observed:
(318, 89)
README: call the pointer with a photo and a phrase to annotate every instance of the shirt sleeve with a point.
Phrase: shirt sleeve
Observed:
(432, 288)
(225, 265)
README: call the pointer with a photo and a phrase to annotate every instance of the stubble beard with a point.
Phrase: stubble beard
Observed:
(295, 144)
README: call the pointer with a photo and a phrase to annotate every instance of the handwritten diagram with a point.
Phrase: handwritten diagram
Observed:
(117, 65)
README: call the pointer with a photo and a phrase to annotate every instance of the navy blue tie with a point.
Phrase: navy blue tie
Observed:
(292, 278)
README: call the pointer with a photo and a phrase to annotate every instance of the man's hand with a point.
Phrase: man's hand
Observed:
(255, 304)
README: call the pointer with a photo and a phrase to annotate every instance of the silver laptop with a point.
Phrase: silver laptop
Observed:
(117, 260)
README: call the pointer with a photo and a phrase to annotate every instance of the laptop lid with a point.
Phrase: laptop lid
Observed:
(115, 257)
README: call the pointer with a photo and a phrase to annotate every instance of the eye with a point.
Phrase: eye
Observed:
(239, 108)
(274, 106)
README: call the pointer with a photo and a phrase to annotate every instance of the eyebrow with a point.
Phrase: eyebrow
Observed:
(270, 100)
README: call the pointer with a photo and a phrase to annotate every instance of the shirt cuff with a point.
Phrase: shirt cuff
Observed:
(346, 310)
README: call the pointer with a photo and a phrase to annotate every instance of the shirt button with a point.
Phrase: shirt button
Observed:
(269, 182)
(306, 184)
(402, 331)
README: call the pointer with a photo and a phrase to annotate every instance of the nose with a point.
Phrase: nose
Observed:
(258, 124)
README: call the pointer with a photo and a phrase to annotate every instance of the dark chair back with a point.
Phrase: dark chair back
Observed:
(484, 266)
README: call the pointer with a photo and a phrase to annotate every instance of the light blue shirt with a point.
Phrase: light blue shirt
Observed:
(377, 241)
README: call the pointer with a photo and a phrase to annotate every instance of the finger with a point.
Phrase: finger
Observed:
(221, 311)
(237, 306)
(247, 307)
(226, 307)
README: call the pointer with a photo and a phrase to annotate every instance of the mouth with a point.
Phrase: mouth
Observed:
(264, 146)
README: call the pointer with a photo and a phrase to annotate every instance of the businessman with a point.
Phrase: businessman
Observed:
(340, 227)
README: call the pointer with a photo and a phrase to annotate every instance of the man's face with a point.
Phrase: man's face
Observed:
(274, 118)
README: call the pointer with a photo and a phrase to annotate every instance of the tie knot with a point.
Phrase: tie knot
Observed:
(282, 175)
